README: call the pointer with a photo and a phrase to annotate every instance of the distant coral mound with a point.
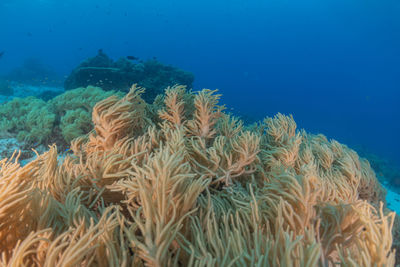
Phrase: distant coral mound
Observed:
(102, 71)
(5, 87)
(181, 183)
(34, 72)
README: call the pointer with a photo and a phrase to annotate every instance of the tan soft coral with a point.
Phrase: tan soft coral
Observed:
(206, 114)
(115, 119)
(193, 187)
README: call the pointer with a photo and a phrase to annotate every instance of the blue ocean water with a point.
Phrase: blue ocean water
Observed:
(333, 64)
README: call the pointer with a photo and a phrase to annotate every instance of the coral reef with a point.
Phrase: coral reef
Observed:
(184, 184)
(28, 119)
(5, 87)
(385, 169)
(101, 71)
(23, 90)
(74, 107)
(34, 72)
(396, 238)
(63, 118)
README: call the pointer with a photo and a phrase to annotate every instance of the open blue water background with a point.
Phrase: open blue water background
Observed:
(333, 64)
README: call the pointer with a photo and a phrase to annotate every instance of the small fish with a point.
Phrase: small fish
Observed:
(132, 58)
(1, 53)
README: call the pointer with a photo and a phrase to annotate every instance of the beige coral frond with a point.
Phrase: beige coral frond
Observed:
(244, 150)
(280, 128)
(167, 192)
(117, 118)
(174, 105)
(229, 126)
(373, 247)
(206, 114)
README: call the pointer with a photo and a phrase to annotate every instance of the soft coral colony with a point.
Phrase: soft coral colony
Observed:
(181, 183)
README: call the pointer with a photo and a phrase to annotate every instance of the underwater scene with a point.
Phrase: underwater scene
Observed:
(199, 133)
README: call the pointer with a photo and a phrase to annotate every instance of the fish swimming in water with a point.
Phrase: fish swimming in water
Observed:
(1, 53)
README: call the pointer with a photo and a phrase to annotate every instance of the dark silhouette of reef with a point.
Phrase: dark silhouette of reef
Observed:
(34, 72)
(386, 170)
(108, 74)
(5, 87)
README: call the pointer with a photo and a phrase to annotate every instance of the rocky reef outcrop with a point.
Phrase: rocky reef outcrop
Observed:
(102, 71)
